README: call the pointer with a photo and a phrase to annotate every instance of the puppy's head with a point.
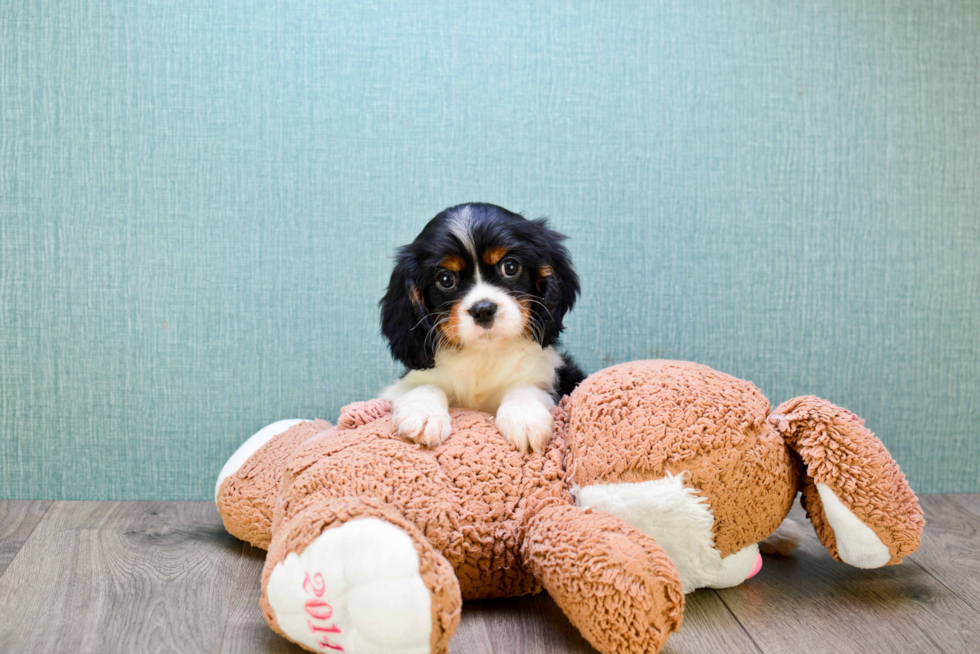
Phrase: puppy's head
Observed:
(477, 274)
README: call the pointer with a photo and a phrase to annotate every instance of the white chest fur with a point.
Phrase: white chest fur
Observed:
(479, 375)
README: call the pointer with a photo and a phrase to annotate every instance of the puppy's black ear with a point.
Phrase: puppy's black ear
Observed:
(405, 320)
(557, 286)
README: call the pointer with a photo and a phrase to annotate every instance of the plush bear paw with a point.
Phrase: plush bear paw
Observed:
(355, 588)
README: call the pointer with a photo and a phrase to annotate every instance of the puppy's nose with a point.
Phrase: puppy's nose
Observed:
(483, 313)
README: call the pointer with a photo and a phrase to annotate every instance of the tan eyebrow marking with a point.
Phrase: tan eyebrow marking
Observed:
(454, 263)
(546, 271)
(493, 255)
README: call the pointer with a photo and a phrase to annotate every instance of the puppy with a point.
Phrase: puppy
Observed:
(474, 310)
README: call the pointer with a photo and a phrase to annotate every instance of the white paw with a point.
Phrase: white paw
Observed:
(355, 589)
(857, 543)
(422, 416)
(524, 418)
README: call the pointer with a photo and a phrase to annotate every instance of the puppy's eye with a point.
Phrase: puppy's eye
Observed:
(446, 280)
(509, 268)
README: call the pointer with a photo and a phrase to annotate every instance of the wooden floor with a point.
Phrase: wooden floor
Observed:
(128, 577)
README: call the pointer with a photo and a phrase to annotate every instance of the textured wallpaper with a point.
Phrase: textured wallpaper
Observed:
(199, 201)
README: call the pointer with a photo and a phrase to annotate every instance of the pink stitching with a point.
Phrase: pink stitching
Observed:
(316, 578)
(320, 610)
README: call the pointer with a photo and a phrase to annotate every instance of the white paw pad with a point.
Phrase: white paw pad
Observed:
(857, 543)
(355, 589)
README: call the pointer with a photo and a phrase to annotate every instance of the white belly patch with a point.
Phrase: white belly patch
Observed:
(680, 521)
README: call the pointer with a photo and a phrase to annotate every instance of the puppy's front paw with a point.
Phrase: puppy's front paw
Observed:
(422, 416)
(422, 424)
(525, 420)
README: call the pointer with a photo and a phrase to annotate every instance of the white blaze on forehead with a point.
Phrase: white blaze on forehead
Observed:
(461, 226)
(484, 291)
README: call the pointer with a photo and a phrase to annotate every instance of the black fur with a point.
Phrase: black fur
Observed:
(569, 376)
(405, 321)
(414, 303)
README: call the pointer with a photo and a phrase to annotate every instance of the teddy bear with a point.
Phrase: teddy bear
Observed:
(661, 477)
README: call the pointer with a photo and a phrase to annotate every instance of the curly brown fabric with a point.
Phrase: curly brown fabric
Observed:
(467, 496)
(614, 583)
(489, 521)
(839, 451)
(356, 414)
(246, 498)
(659, 417)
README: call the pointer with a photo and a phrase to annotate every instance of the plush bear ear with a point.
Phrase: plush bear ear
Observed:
(859, 502)
(405, 320)
(557, 286)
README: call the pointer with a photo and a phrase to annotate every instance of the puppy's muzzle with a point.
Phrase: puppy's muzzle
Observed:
(483, 313)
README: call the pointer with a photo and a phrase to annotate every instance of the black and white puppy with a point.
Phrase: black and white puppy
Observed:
(474, 309)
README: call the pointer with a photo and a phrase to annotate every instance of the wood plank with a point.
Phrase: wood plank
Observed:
(519, 625)
(536, 625)
(809, 603)
(246, 631)
(969, 503)
(473, 634)
(18, 518)
(708, 627)
(950, 550)
(120, 577)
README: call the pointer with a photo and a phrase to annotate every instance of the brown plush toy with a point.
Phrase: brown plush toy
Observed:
(661, 477)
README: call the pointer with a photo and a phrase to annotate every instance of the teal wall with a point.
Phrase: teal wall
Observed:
(198, 202)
